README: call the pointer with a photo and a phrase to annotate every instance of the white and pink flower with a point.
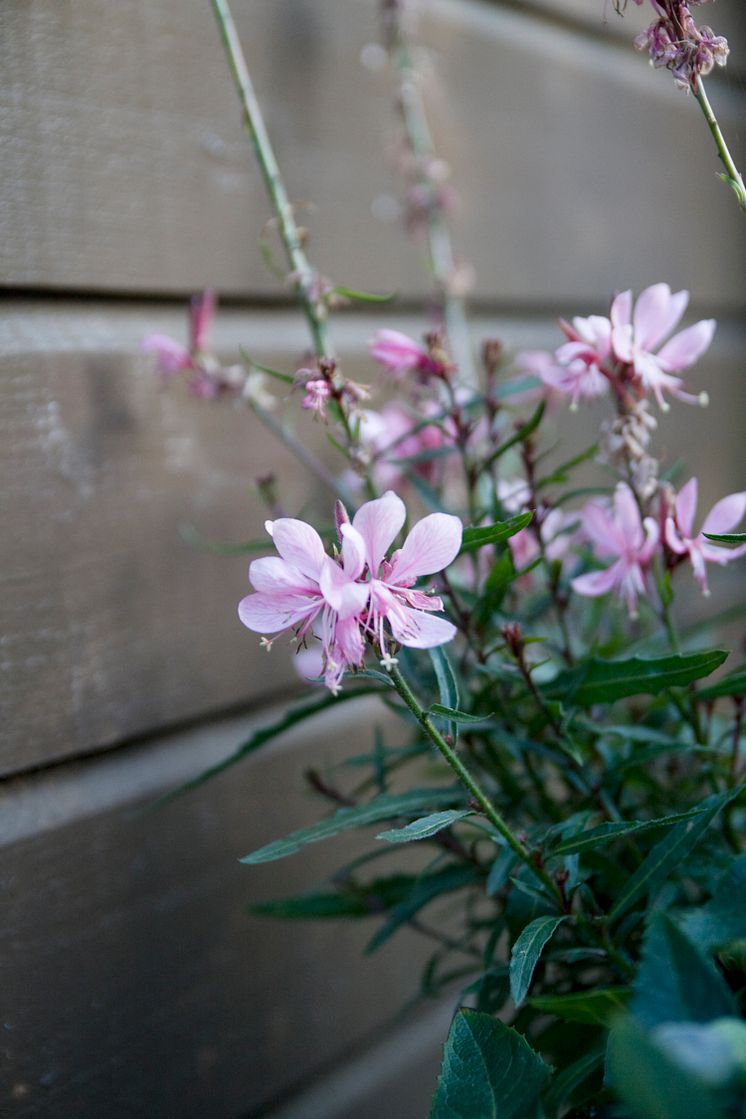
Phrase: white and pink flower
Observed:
(347, 599)
(400, 354)
(619, 533)
(637, 333)
(681, 538)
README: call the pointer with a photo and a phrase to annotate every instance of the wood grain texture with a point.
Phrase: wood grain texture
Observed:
(112, 625)
(135, 984)
(128, 171)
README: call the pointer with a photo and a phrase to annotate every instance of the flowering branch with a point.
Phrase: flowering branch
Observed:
(732, 176)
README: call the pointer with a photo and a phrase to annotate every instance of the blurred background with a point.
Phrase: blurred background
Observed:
(133, 981)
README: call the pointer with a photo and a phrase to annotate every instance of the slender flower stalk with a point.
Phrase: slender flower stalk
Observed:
(442, 259)
(305, 275)
(471, 784)
(732, 176)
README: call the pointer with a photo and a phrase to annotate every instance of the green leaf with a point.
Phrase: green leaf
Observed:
(489, 1071)
(676, 982)
(386, 807)
(652, 1084)
(668, 854)
(734, 684)
(566, 1082)
(592, 1008)
(458, 716)
(723, 918)
(425, 888)
(363, 296)
(425, 826)
(601, 681)
(726, 537)
(447, 685)
(605, 833)
(520, 436)
(526, 954)
(476, 536)
(266, 734)
(286, 378)
(350, 899)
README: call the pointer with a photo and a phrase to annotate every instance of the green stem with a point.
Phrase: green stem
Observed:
(468, 781)
(305, 281)
(302, 453)
(732, 176)
(440, 248)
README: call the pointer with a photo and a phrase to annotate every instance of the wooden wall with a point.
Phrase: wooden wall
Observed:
(133, 982)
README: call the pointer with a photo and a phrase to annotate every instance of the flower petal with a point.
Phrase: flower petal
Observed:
(379, 522)
(686, 507)
(267, 614)
(353, 551)
(725, 514)
(431, 545)
(299, 544)
(651, 310)
(598, 582)
(271, 575)
(345, 597)
(687, 346)
(418, 630)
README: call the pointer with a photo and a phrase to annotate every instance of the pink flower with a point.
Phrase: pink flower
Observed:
(636, 335)
(620, 533)
(576, 369)
(400, 354)
(395, 434)
(201, 317)
(171, 357)
(317, 395)
(431, 545)
(554, 529)
(349, 598)
(723, 517)
(289, 595)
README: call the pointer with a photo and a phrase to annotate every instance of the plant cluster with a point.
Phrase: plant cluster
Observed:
(569, 777)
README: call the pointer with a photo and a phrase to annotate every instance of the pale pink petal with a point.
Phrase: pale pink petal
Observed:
(719, 553)
(650, 543)
(418, 630)
(677, 304)
(725, 514)
(299, 544)
(353, 551)
(598, 582)
(379, 522)
(272, 575)
(171, 356)
(350, 640)
(601, 530)
(687, 346)
(267, 614)
(431, 546)
(651, 309)
(673, 539)
(397, 351)
(202, 314)
(345, 597)
(686, 507)
(627, 516)
(621, 309)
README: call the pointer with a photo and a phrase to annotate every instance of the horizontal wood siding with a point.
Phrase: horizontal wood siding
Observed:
(128, 170)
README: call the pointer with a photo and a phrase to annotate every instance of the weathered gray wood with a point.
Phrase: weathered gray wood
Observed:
(112, 626)
(126, 168)
(134, 983)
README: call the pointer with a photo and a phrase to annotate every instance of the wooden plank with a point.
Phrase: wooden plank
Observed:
(128, 174)
(134, 982)
(112, 626)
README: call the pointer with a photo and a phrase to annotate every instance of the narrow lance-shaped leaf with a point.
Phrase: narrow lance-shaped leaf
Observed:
(669, 853)
(489, 1071)
(600, 681)
(527, 952)
(726, 537)
(605, 833)
(425, 889)
(382, 808)
(425, 827)
(458, 716)
(476, 536)
(265, 734)
(593, 1008)
(734, 684)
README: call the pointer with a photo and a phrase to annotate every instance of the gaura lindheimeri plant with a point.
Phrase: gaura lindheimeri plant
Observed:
(553, 744)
